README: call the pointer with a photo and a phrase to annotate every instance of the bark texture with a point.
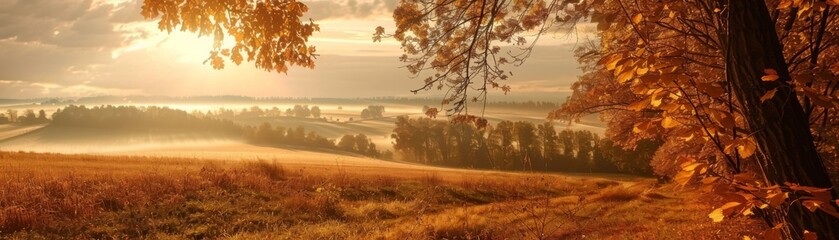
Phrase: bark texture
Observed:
(780, 125)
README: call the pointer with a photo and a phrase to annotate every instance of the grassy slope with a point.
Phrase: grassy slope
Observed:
(79, 196)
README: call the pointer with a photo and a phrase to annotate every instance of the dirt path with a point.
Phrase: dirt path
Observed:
(8, 131)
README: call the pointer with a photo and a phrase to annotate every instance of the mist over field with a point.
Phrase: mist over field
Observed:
(337, 117)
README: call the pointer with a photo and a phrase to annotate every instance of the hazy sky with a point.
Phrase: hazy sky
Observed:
(76, 48)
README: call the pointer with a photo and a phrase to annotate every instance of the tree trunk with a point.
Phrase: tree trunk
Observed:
(780, 126)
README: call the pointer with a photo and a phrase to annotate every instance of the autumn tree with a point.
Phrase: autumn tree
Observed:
(270, 33)
(710, 73)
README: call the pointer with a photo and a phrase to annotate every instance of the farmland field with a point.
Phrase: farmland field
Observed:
(86, 196)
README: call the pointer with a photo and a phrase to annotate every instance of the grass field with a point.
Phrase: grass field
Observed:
(53, 196)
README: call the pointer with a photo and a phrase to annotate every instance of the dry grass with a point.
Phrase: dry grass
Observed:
(78, 196)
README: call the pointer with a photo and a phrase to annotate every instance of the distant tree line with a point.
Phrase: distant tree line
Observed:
(520, 146)
(27, 118)
(300, 111)
(139, 118)
(269, 135)
(530, 105)
(418, 101)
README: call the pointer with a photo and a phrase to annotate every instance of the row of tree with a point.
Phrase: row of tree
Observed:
(140, 118)
(515, 146)
(28, 117)
(269, 135)
(299, 111)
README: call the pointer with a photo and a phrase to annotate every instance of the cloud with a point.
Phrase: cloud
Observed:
(71, 23)
(40, 90)
(51, 41)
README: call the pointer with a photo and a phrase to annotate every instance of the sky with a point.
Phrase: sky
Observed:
(81, 48)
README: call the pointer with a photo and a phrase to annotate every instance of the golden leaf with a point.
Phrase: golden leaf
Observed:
(776, 199)
(769, 78)
(657, 98)
(683, 177)
(746, 147)
(768, 95)
(689, 169)
(626, 76)
(720, 213)
(611, 61)
(693, 166)
(784, 4)
(639, 105)
(770, 75)
(724, 118)
(668, 122)
(637, 18)
(641, 71)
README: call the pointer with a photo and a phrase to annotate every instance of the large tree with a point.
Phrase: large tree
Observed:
(711, 73)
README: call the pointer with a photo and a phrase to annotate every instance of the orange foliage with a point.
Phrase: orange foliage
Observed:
(270, 32)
